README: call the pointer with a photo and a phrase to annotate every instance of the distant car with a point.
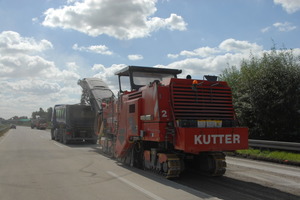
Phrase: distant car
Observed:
(13, 126)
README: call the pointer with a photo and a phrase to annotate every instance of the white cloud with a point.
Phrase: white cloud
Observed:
(289, 6)
(279, 26)
(213, 65)
(174, 22)
(12, 42)
(232, 45)
(266, 29)
(172, 56)
(229, 45)
(71, 1)
(99, 49)
(72, 66)
(284, 27)
(19, 56)
(126, 19)
(34, 20)
(23, 65)
(200, 52)
(213, 60)
(107, 74)
(135, 57)
(30, 80)
(33, 86)
(98, 67)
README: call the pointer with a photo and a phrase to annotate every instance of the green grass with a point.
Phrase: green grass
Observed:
(278, 155)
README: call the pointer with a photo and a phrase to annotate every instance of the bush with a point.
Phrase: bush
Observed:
(266, 95)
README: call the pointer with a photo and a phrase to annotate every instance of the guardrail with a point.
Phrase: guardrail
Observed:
(288, 146)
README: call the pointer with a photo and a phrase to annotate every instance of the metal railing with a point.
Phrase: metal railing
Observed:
(287, 146)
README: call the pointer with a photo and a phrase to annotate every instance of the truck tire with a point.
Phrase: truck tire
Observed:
(64, 139)
(60, 138)
(52, 135)
(56, 135)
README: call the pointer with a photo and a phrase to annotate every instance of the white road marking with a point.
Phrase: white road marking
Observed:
(150, 194)
(61, 146)
(44, 137)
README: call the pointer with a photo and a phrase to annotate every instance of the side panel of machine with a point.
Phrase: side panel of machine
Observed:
(157, 115)
(129, 125)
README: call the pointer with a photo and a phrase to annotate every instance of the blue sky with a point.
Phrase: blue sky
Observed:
(46, 46)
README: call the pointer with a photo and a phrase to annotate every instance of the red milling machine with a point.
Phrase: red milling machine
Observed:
(164, 123)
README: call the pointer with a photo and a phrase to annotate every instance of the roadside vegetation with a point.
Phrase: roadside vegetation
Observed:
(3, 129)
(266, 95)
(25, 121)
(274, 156)
(43, 114)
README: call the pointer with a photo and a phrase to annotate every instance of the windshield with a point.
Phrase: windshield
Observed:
(142, 78)
(125, 86)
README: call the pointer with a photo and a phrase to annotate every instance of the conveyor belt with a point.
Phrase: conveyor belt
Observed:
(94, 90)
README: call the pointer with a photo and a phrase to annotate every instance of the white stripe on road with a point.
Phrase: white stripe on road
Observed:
(44, 137)
(59, 145)
(150, 194)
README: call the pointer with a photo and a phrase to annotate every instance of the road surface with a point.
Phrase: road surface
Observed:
(32, 166)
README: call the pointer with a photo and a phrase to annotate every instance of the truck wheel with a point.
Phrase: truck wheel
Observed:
(60, 139)
(52, 134)
(56, 135)
(64, 139)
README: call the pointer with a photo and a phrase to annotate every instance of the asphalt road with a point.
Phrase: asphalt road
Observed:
(32, 166)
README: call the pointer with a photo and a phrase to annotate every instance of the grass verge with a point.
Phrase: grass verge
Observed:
(3, 129)
(274, 156)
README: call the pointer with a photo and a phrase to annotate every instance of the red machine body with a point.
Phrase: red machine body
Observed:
(170, 124)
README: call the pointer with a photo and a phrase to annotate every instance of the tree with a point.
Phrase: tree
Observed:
(266, 94)
(41, 113)
(49, 113)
